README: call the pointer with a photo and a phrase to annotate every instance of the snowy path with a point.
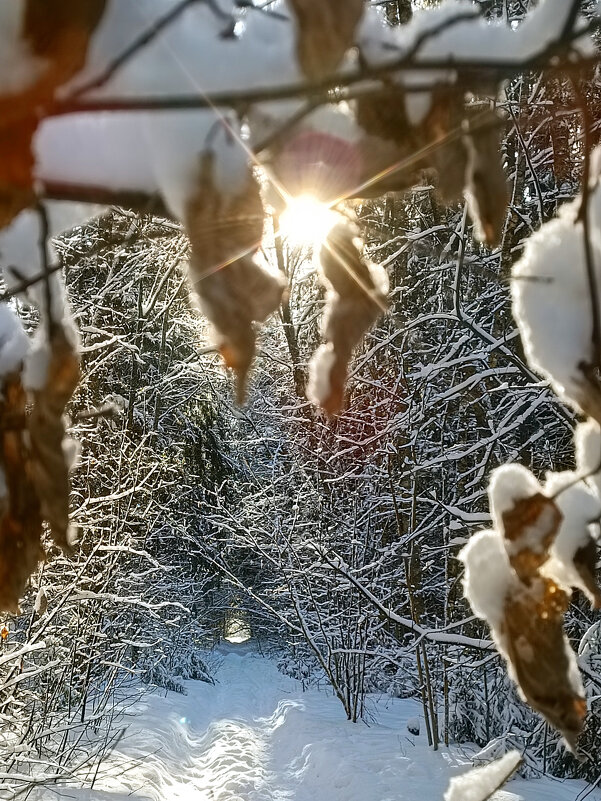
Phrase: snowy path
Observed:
(255, 736)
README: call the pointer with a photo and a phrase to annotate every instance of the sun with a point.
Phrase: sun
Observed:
(306, 221)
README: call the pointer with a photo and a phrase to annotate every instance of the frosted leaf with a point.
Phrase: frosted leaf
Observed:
(49, 465)
(325, 31)
(20, 519)
(355, 298)
(510, 483)
(479, 784)
(525, 605)
(177, 143)
(394, 133)
(319, 387)
(486, 183)
(572, 556)
(234, 291)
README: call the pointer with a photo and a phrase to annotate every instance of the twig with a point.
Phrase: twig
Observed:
(130, 51)
(463, 72)
(47, 269)
(583, 216)
(135, 200)
(26, 283)
(571, 19)
(263, 9)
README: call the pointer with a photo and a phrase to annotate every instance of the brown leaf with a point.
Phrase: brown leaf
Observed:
(486, 183)
(57, 31)
(532, 636)
(16, 167)
(392, 143)
(585, 562)
(60, 30)
(326, 30)
(21, 523)
(461, 145)
(530, 528)
(354, 303)
(588, 384)
(541, 658)
(383, 114)
(234, 290)
(49, 468)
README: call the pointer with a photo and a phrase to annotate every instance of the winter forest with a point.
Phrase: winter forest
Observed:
(300, 400)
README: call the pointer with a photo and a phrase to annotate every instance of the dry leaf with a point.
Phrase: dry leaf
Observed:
(16, 167)
(486, 183)
(57, 31)
(542, 660)
(234, 290)
(392, 143)
(531, 635)
(585, 562)
(325, 31)
(49, 468)
(383, 114)
(588, 390)
(529, 528)
(35, 469)
(464, 150)
(356, 299)
(21, 524)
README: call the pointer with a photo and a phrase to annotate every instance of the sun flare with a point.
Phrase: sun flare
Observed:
(306, 221)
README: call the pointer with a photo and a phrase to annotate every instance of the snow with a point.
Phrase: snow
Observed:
(508, 484)
(587, 439)
(255, 735)
(107, 150)
(579, 507)
(14, 344)
(488, 576)
(195, 55)
(479, 784)
(473, 39)
(551, 276)
(320, 367)
(160, 152)
(469, 39)
(19, 68)
(21, 258)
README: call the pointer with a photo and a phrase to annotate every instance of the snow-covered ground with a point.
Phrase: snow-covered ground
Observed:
(255, 736)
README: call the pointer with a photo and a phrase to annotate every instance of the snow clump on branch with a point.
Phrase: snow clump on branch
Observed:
(554, 306)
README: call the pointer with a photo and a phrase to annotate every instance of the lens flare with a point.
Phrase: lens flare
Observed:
(306, 221)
